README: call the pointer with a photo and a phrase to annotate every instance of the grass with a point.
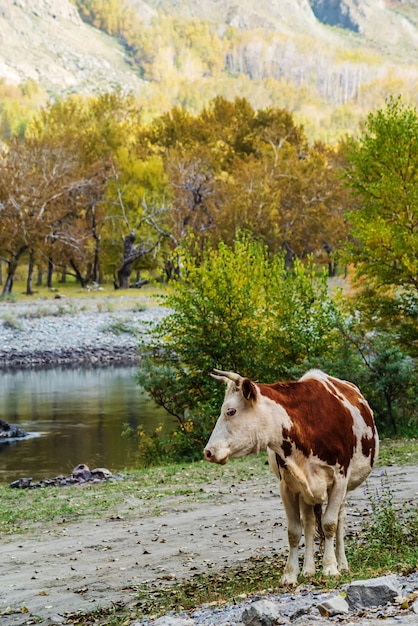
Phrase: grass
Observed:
(386, 543)
(10, 321)
(72, 290)
(398, 452)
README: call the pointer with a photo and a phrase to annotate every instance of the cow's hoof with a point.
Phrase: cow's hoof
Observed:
(308, 573)
(289, 580)
(331, 570)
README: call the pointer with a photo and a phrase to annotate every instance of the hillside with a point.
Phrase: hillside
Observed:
(46, 41)
(327, 61)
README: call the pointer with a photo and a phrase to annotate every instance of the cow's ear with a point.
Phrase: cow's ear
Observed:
(248, 389)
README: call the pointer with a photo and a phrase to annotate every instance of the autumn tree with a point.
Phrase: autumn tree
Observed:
(136, 207)
(94, 129)
(37, 185)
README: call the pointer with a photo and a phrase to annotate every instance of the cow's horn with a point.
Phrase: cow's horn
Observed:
(225, 376)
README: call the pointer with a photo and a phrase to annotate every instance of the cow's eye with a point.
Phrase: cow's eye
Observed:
(231, 412)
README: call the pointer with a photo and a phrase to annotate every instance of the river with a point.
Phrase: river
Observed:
(74, 415)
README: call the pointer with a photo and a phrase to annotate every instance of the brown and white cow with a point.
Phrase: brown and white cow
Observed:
(321, 441)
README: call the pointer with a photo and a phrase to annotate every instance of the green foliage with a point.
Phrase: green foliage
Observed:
(385, 372)
(236, 309)
(383, 175)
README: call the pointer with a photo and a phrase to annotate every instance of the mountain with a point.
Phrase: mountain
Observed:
(328, 60)
(46, 41)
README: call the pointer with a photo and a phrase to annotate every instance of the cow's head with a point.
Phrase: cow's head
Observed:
(235, 433)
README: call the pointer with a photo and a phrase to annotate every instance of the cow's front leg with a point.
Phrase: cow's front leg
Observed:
(294, 533)
(309, 525)
(330, 521)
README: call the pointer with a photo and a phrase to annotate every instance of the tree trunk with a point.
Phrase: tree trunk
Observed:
(96, 268)
(392, 418)
(83, 281)
(39, 277)
(124, 272)
(11, 271)
(31, 266)
(49, 273)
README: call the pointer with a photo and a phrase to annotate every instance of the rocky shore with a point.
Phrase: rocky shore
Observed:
(52, 332)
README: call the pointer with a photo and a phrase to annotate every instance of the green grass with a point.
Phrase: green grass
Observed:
(22, 510)
(71, 289)
(398, 452)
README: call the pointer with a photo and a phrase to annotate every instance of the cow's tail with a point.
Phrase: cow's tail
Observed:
(318, 519)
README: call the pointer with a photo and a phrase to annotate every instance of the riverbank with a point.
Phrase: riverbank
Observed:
(53, 331)
(112, 552)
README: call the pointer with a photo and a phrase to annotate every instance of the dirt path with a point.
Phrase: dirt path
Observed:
(80, 567)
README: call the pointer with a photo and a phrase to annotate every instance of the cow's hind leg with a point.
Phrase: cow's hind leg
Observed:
(309, 527)
(330, 523)
(294, 533)
(340, 547)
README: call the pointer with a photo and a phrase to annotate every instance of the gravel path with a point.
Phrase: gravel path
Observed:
(101, 329)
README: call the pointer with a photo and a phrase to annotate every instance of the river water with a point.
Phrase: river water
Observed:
(76, 415)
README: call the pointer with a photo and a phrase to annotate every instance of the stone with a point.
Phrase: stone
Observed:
(167, 620)
(263, 613)
(336, 605)
(415, 607)
(373, 592)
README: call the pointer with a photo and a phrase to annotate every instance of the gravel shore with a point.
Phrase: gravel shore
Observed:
(60, 331)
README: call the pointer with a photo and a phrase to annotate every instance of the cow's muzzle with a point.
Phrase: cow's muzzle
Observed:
(208, 455)
(214, 458)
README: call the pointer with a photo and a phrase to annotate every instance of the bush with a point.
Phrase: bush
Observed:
(237, 308)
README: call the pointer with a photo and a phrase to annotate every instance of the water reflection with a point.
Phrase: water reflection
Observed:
(78, 416)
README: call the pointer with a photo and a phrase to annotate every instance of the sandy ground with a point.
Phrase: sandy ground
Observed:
(80, 567)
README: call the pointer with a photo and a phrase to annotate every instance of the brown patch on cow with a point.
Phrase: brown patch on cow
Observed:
(368, 447)
(321, 424)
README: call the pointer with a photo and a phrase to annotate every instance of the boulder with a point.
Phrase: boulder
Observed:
(10, 431)
(263, 613)
(373, 592)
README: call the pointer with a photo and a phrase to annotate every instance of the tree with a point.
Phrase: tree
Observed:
(135, 209)
(38, 185)
(383, 178)
(383, 175)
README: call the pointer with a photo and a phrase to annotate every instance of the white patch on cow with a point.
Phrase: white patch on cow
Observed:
(255, 436)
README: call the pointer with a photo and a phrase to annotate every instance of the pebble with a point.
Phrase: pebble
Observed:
(300, 608)
(53, 334)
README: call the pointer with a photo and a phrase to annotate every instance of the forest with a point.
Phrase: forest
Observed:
(248, 220)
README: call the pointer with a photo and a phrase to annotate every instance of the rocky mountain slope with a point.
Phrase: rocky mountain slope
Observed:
(47, 41)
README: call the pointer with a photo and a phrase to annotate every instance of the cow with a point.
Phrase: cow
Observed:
(321, 442)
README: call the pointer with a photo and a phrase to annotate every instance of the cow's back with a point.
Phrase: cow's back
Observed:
(331, 425)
